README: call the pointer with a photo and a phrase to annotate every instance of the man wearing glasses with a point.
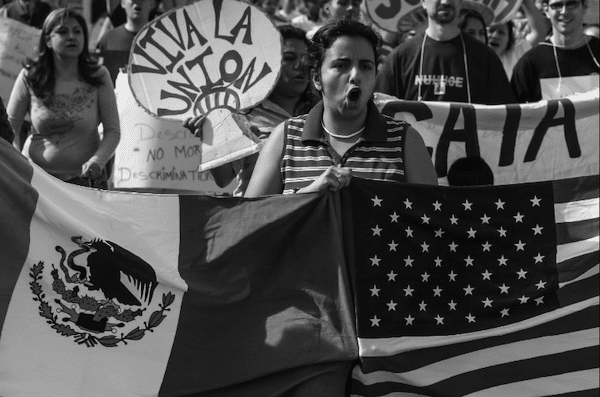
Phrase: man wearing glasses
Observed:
(564, 64)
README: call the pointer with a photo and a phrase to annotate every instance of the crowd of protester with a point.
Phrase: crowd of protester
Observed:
(320, 124)
(446, 50)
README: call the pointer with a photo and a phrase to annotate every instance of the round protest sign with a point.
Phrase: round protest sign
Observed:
(403, 15)
(205, 56)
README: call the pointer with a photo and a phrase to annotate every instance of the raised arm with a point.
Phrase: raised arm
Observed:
(536, 21)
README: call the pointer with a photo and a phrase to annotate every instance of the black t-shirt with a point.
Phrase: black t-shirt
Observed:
(114, 48)
(540, 63)
(444, 76)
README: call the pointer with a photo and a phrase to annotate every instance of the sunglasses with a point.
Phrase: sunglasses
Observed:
(570, 4)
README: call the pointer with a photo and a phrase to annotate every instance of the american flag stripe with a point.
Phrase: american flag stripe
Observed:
(581, 381)
(413, 353)
(552, 352)
(440, 378)
(576, 189)
(540, 376)
(577, 231)
(570, 269)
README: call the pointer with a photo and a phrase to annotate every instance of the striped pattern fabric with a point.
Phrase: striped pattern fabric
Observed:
(504, 304)
(370, 158)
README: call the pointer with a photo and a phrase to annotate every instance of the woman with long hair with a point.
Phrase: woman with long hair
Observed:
(67, 96)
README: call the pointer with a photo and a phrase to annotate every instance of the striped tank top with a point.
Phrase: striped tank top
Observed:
(377, 155)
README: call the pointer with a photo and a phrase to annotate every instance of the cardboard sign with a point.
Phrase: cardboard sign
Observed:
(397, 15)
(17, 42)
(211, 58)
(157, 155)
(530, 142)
(203, 56)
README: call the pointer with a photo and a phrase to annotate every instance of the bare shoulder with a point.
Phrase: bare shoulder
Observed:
(418, 165)
(266, 178)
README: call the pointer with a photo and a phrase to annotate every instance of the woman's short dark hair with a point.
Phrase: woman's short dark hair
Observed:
(40, 76)
(328, 34)
(292, 32)
(470, 171)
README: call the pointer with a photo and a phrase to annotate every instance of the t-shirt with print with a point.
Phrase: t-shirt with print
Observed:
(440, 74)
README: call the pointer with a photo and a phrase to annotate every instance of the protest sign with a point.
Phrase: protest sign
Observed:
(395, 16)
(521, 142)
(17, 42)
(156, 154)
(207, 58)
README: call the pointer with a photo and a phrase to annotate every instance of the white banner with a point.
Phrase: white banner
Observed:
(531, 142)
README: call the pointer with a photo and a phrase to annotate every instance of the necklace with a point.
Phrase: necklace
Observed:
(464, 48)
(558, 65)
(340, 136)
(577, 44)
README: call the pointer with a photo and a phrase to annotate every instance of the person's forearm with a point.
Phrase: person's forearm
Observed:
(536, 21)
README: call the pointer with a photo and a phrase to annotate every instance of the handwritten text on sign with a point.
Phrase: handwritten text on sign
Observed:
(155, 153)
(205, 55)
(17, 42)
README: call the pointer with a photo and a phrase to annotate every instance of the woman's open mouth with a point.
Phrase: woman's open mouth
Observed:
(353, 94)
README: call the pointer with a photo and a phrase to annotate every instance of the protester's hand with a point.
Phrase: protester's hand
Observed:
(333, 178)
(91, 169)
(194, 124)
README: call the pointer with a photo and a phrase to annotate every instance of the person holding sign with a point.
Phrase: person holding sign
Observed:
(442, 64)
(344, 135)
(67, 96)
(565, 64)
(291, 96)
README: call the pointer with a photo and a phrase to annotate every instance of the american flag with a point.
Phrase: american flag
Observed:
(476, 291)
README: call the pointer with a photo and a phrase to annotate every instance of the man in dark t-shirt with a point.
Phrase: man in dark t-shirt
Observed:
(566, 63)
(442, 64)
(115, 44)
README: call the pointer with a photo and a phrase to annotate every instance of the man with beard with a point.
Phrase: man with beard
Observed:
(115, 44)
(441, 64)
(567, 63)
